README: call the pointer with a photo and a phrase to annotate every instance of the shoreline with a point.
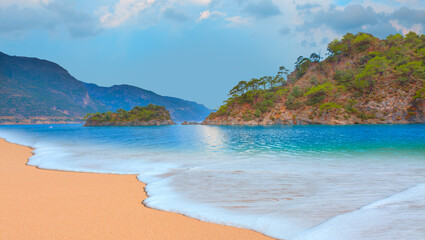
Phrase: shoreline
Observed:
(52, 204)
(225, 125)
(37, 123)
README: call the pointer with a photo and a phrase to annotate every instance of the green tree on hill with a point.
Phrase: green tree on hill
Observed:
(301, 66)
(375, 67)
(314, 57)
(359, 68)
(410, 70)
(121, 117)
(393, 40)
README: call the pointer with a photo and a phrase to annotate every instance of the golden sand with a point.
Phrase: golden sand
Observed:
(44, 204)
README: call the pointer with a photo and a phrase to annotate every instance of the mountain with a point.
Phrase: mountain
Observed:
(127, 97)
(364, 80)
(40, 91)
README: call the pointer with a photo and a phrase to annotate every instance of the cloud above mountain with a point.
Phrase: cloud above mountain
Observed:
(357, 18)
(198, 42)
(79, 20)
(47, 15)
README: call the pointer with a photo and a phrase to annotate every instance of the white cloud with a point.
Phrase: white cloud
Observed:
(417, 28)
(237, 21)
(207, 14)
(204, 15)
(23, 3)
(194, 2)
(186, 2)
(54, 17)
(411, 3)
(379, 7)
(122, 11)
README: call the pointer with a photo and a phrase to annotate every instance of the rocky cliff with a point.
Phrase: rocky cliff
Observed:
(364, 80)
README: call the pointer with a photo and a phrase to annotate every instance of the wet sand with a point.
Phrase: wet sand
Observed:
(45, 204)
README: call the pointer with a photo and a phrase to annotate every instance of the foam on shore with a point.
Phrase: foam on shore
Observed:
(304, 194)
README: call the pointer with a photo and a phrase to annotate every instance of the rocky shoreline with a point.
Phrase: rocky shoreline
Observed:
(393, 111)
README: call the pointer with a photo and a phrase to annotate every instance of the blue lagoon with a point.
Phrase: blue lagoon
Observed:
(288, 182)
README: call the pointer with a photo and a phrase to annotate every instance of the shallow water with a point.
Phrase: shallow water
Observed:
(289, 182)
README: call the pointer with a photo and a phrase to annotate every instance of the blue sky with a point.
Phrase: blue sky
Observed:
(192, 49)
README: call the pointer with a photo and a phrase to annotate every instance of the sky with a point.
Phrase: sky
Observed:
(192, 49)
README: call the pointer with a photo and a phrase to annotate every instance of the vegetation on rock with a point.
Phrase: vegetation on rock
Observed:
(138, 116)
(362, 80)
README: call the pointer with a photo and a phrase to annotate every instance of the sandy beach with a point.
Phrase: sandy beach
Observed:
(44, 204)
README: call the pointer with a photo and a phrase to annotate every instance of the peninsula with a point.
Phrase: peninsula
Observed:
(363, 80)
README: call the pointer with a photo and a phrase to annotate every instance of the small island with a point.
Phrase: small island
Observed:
(190, 123)
(151, 115)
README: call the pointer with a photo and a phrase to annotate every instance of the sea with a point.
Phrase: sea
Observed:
(313, 182)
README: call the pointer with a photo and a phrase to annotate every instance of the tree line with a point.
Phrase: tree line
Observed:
(280, 80)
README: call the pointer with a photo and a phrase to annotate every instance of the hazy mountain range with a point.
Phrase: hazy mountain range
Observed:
(35, 90)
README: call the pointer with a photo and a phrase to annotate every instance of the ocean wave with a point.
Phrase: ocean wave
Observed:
(301, 188)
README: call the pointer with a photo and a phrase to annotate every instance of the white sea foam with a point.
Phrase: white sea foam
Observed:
(287, 195)
(400, 216)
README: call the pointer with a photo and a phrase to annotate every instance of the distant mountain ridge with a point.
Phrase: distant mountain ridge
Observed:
(39, 91)
(127, 97)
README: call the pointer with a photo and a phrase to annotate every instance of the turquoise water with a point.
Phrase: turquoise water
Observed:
(288, 182)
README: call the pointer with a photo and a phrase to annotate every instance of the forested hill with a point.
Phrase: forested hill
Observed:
(151, 115)
(40, 91)
(363, 80)
(126, 97)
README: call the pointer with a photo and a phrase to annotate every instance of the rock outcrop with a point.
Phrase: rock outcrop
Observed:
(364, 80)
